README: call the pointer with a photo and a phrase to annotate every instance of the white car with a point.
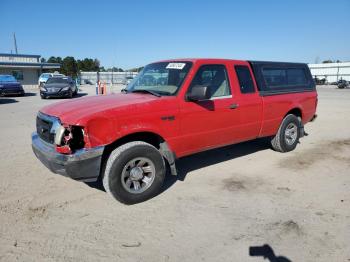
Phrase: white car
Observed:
(44, 76)
(129, 79)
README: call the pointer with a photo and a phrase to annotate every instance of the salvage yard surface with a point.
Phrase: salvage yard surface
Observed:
(223, 202)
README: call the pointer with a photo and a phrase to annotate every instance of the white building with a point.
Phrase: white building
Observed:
(108, 77)
(25, 68)
(332, 72)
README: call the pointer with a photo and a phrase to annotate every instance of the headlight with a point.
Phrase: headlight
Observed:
(43, 89)
(65, 88)
(1, 86)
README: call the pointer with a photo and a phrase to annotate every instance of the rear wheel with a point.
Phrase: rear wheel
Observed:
(134, 172)
(288, 134)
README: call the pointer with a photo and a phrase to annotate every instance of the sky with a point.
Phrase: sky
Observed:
(129, 34)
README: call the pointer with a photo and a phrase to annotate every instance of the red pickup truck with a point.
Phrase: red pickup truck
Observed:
(172, 109)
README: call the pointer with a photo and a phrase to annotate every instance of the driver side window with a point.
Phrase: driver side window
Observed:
(215, 78)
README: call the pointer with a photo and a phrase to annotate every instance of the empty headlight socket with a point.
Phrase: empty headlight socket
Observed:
(69, 139)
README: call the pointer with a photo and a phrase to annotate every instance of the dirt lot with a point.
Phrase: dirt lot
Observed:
(224, 201)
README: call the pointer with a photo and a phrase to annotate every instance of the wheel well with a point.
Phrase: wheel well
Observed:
(147, 137)
(295, 111)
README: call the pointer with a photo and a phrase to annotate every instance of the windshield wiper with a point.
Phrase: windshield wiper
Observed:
(146, 91)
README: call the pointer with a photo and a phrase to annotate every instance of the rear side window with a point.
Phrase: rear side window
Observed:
(275, 77)
(284, 78)
(245, 79)
(296, 76)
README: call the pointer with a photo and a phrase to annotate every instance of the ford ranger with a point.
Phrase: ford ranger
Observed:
(172, 109)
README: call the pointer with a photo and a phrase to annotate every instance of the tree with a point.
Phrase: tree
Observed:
(137, 69)
(51, 59)
(54, 59)
(115, 69)
(331, 61)
(96, 64)
(69, 66)
(72, 67)
(88, 64)
(42, 60)
(327, 61)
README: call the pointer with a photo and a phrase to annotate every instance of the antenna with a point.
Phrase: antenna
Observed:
(14, 39)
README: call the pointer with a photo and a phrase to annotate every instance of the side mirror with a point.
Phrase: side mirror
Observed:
(198, 93)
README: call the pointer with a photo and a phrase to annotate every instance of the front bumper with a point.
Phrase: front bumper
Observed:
(9, 92)
(55, 94)
(83, 165)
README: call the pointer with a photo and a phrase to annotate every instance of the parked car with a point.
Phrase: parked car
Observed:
(88, 82)
(120, 80)
(45, 76)
(10, 86)
(129, 79)
(319, 81)
(130, 139)
(59, 87)
(342, 84)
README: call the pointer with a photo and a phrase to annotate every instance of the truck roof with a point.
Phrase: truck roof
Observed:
(220, 60)
(215, 60)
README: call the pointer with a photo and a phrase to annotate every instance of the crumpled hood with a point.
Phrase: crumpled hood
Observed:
(78, 111)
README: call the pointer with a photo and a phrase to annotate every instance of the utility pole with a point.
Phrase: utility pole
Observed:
(14, 39)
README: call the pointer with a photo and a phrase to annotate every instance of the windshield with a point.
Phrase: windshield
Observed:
(57, 80)
(45, 75)
(164, 78)
(7, 78)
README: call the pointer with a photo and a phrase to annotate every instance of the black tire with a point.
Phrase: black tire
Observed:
(119, 159)
(280, 141)
(42, 96)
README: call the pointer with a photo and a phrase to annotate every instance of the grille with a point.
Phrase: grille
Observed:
(53, 90)
(44, 124)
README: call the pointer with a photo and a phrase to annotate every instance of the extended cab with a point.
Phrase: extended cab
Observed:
(170, 110)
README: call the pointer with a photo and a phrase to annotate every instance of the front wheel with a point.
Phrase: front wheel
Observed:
(134, 172)
(288, 134)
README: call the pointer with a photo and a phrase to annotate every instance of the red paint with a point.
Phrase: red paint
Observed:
(63, 149)
(108, 118)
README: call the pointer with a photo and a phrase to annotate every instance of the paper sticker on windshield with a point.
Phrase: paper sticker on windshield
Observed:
(178, 66)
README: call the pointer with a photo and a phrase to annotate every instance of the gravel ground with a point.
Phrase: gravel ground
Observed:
(224, 201)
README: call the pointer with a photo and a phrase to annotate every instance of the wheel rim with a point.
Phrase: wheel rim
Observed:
(291, 133)
(138, 175)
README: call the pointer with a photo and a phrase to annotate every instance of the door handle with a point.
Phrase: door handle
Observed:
(233, 106)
